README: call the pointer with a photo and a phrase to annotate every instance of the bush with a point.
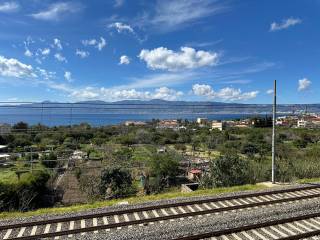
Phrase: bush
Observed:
(49, 160)
(230, 170)
(116, 182)
(164, 168)
(25, 194)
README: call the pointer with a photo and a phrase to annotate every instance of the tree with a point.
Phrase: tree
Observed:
(180, 146)
(164, 168)
(21, 126)
(127, 140)
(49, 160)
(143, 136)
(124, 154)
(230, 170)
(115, 183)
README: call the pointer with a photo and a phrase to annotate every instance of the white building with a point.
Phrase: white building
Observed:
(3, 156)
(134, 123)
(202, 121)
(303, 124)
(5, 128)
(217, 125)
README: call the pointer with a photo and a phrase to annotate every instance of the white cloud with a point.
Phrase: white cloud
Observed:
(10, 67)
(9, 7)
(60, 57)
(118, 3)
(38, 60)
(56, 11)
(124, 60)
(101, 44)
(84, 94)
(202, 90)
(226, 94)
(121, 27)
(57, 44)
(45, 52)
(167, 94)
(269, 91)
(90, 42)
(111, 94)
(82, 54)
(28, 53)
(46, 75)
(162, 79)
(187, 58)
(304, 84)
(93, 42)
(286, 23)
(170, 15)
(28, 41)
(68, 76)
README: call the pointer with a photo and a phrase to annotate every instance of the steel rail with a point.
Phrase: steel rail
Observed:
(228, 231)
(164, 206)
(183, 215)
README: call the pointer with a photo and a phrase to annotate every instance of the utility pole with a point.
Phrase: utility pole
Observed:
(31, 159)
(274, 131)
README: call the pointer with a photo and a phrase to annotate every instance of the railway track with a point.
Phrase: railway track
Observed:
(105, 221)
(300, 227)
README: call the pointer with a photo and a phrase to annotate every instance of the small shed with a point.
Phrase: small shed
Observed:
(194, 174)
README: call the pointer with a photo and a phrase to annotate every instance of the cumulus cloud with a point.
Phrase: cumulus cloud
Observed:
(121, 27)
(90, 42)
(28, 53)
(304, 84)
(57, 11)
(10, 67)
(226, 94)
(82, 54)
(286, 23)
(9, 7)
(45, 52)
(57, 44)
(187, 58)
(101, 44)
(96, 43)
(85, 93)
(124, 60)
(167, 94)
(46, 75)
(28, 41)
(269, 91)
(112, 94)
(60, 57)
(67, 76)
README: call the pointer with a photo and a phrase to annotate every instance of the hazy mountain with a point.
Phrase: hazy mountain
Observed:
(152, 106)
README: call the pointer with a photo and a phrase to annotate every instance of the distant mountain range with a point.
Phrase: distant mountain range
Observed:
(153, 106)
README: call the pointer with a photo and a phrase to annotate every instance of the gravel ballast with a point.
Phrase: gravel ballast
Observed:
(133, 206)
(187, 226)
(190, 226)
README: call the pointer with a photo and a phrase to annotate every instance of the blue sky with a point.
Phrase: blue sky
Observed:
(228, 51)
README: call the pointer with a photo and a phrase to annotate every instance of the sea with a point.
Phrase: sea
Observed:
(110, 119)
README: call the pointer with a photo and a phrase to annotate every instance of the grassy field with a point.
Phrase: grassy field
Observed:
(7, 176)
(309, 180)
(131, 200)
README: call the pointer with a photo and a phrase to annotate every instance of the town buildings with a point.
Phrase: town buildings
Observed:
(5, 129)
(218, 125)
